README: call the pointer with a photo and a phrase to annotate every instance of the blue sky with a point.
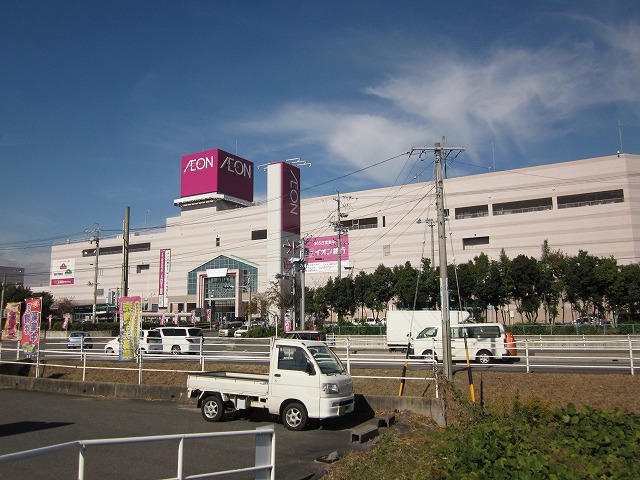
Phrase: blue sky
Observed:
(99, 100)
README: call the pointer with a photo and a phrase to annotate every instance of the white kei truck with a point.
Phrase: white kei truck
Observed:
(306, 379)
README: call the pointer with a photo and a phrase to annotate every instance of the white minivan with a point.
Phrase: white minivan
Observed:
(177, 340)
(485, 342)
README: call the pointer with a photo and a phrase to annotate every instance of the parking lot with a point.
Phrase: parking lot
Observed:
(36, 419)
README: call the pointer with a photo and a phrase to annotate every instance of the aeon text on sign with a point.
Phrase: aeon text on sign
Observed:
(216, 171)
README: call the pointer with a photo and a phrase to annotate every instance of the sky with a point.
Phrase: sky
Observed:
(100, 100)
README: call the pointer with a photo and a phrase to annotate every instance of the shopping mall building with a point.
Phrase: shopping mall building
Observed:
(224, 247)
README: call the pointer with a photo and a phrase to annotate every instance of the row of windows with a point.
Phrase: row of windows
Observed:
(538, 204)
(355, 224)
(133, 247)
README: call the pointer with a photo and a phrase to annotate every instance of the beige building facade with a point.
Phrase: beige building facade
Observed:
(214, 253)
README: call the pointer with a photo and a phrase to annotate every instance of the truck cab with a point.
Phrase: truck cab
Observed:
(306, 379)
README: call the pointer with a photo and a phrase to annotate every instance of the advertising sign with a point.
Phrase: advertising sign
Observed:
(165, 262)
(62, 272)
(323, 253)
(130, 320)
(31, 326)
(216, 171)
(12, 325)
(290, 196)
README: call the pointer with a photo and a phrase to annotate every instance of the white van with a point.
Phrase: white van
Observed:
(177, 340)
(486, 342)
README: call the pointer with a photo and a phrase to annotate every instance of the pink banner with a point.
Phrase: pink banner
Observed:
(31, 326)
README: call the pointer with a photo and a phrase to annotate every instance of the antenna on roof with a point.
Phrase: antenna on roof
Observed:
(620, 135)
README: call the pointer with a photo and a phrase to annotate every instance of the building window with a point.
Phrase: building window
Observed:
(259, 234)
(386, 250)
(472, 242)
(523, 206)
(360, 223)
(472, 212)
(593, 198)
(142, 267)
(116, 250)
(217, 241)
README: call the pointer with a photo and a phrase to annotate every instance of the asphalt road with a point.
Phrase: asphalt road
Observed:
(36, 419)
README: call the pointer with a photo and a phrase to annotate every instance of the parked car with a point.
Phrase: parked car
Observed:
(179, 340)
(229, 328)
(241, 331)
(309, 335)
(150, 342)
(79, 340)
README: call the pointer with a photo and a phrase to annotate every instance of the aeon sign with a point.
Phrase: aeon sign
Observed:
(216, 171)
(290, 196)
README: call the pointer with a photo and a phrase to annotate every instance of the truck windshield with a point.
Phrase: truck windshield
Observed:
(327, 360)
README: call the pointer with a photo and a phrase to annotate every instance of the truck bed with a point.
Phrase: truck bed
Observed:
(243, 384)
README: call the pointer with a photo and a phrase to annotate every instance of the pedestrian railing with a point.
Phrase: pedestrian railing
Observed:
(264, 467)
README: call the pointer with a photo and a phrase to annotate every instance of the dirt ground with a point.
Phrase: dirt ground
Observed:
(494, 390)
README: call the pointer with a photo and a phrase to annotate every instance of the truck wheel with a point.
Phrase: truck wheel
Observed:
(176, 350)
(212, 408)
(483, 357)
(428, 355)
(294, 416)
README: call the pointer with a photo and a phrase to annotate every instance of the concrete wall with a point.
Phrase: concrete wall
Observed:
(15, 376)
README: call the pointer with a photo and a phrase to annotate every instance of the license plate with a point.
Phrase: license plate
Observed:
(342, 410)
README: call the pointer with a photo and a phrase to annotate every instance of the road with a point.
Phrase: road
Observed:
(36, 419)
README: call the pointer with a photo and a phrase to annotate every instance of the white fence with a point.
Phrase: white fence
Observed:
(536, 352)
(264, 467)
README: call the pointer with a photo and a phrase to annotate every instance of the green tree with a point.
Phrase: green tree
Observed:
(382, 282)
(526, 286)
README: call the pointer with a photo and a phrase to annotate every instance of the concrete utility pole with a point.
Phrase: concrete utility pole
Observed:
(438, 150)
(124, 288)
(95, 239)
(340, 230)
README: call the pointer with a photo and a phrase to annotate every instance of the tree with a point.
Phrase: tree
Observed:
(362, 291)
(382, 282)
(343, 298)
(405, 285)
(526, 285)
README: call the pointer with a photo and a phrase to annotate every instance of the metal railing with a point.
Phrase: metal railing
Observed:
(368, 351)
(264, 467)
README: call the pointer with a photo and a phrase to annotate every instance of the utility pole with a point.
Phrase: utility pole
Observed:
(439, 151)
(431, 223)
(124, 288)
(96, 268)
(340, 230)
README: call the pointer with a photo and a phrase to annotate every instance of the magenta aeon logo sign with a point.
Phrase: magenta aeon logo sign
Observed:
(290, 196)
(216, 171)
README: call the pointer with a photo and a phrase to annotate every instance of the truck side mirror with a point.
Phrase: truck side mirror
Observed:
(310, 369)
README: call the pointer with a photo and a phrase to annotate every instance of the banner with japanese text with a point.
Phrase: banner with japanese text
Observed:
(12, 325)
(31, 326)
(130, 320)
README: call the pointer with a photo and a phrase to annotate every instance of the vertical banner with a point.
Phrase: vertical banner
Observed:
(31, 326)
(12, 325)
(67, 319)
(290, 198)
(165, 263)
(130, 310)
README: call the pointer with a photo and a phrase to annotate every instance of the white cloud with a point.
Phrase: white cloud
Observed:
(521, 96)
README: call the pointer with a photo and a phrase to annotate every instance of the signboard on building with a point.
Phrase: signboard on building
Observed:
(165, 263)
(322, 253)
(62, 272)
(290, 197)
(216, 171)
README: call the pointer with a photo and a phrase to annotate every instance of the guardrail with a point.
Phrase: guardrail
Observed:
(534, 352)
(264, 467)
